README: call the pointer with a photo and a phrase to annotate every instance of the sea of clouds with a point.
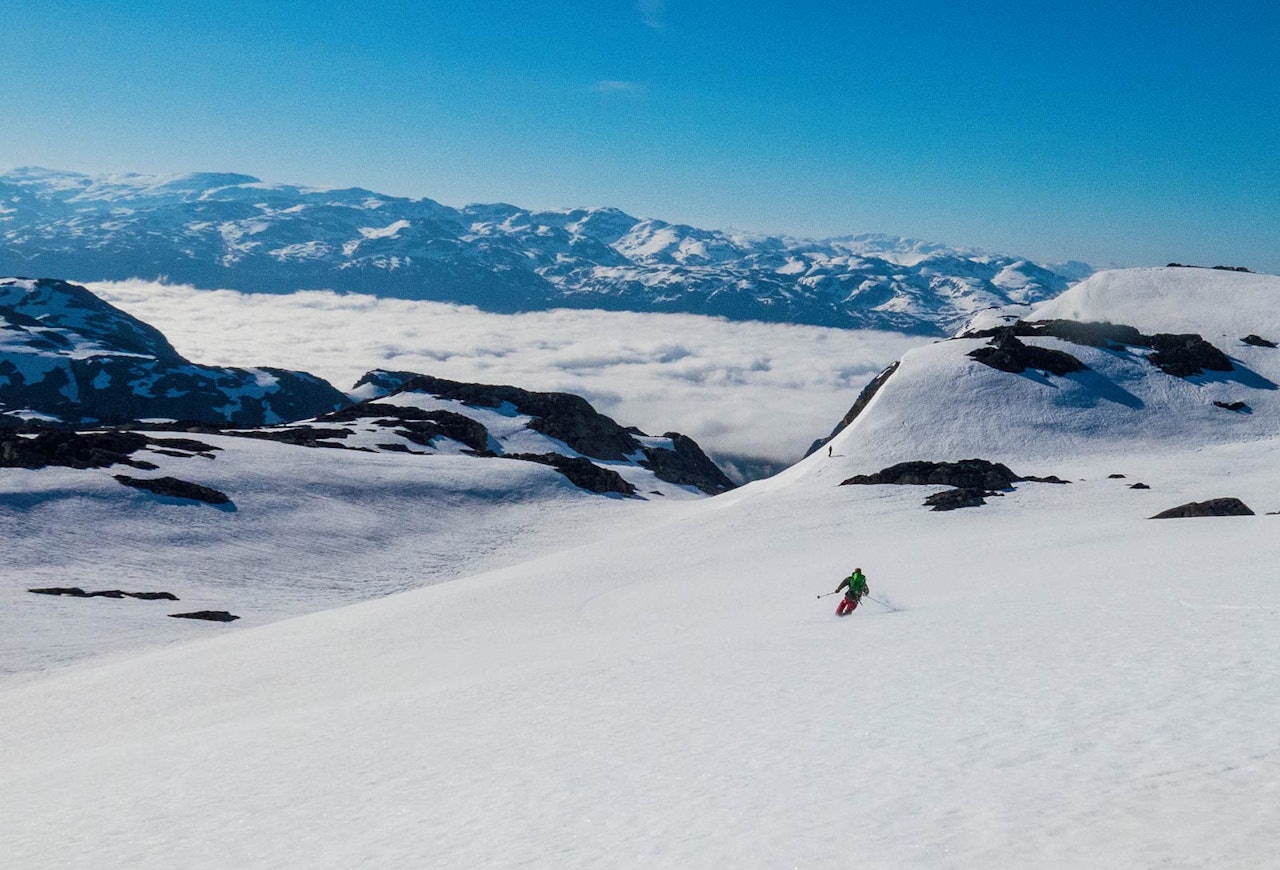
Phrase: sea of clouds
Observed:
(754, 395)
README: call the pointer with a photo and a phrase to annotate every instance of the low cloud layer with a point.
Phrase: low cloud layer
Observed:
(740, 389)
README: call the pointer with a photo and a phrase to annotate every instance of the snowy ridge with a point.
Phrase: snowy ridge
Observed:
(942, 404)
(410, 413)
(233, 231)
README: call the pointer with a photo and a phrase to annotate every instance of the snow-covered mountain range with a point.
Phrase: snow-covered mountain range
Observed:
(225, 230)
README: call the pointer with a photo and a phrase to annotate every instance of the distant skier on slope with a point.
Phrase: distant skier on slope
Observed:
(855, 586)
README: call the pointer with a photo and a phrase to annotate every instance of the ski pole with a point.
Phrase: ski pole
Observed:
(878, 601)
(829, 593)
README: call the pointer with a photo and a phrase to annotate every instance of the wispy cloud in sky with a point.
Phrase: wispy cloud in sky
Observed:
(747, 389)
(652, 13)
(617, 86)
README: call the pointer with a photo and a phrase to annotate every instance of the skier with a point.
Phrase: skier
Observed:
(855, 586)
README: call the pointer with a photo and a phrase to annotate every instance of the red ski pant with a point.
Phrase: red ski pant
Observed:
(846, 606)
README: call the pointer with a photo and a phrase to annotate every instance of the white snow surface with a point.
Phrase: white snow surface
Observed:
(1212, 302)
(1065, 684)
(1069, 685)
(942, 405)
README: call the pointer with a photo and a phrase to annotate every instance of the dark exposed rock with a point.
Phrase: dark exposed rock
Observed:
(175, 488)
(447, 424)
(70, 449)
(1233, 406)
(1091, 334)
(1182, 355)
(1087, 333)
(562, 416)
(1257, 341)
(189, 445)
(77, 592)
(1115, 477)
(1139, 486)
(571, 419)
(1215, 507)
(952, 499)
(302, 436)
(1008, 354)
(209, 615)
(581, 472)
(864, 398)
(1219, 268)
(965, 474)
(686, 465)
(415, 424)
(1186, 355)
(375, 410)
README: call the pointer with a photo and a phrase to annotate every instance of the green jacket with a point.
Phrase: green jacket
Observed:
(856, 583)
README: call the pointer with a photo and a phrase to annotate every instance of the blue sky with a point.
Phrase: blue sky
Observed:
(1120, 133)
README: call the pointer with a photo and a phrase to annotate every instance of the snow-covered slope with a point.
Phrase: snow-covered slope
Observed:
(1065, 683)
(406, 412)
(68, 355)
(233, 231)
(942, 404)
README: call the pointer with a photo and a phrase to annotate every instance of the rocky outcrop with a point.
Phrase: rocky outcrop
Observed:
(973, 481)
(1214, 507)
(1186, 355)
(77, 592)
(417, 425)
(301, 436)
(686, 465)
(175, 488)
(562, 416)
(1233, 406)
(1181, 355)
(1073, 331)
(207, 615)
(565, 417)
(582, 473)
(1008, 354)
(954, 499)
(965, 474)
(71, 449)
(1257, 341)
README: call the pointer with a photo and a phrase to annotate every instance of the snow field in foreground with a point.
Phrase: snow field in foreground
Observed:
(1069, 685)
(310, 529)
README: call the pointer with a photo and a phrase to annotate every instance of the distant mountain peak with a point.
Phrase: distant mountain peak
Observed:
(230, 230)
